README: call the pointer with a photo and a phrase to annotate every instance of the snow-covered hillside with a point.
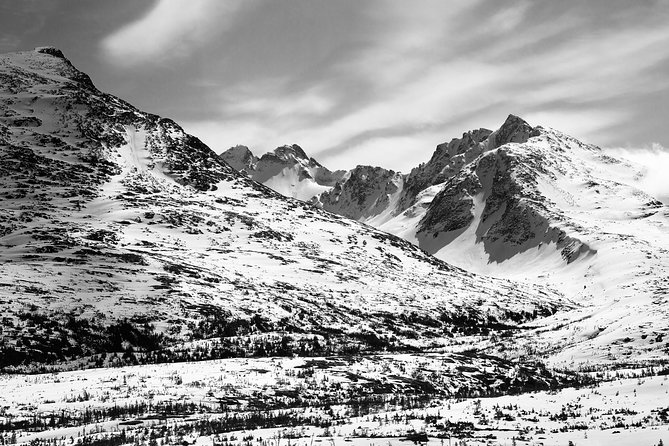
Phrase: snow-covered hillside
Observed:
(533, 204)
(121, 233)
(547, 208)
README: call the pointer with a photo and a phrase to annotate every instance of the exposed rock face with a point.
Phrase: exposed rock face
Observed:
(50, 50)
(516, 216)
(514, 130)
(449, 158)
(273, 163)
(240, 158)
(365, 192)
(446, 161)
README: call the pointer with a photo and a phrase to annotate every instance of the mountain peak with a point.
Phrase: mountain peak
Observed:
(240, 158)
(285, 152)
(43, 60)
(51, 50)
(514, 129)
(514, 119)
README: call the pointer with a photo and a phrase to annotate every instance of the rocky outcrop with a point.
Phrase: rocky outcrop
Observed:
(365, 192)
(446, 161)
(240, 158)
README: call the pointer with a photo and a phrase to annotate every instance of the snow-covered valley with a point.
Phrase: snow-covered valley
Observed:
(536, 206)
(149, 292)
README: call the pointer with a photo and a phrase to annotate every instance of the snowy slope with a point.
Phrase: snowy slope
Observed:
(554, 210)
(547, 208)
(533, 204)
(120, 232)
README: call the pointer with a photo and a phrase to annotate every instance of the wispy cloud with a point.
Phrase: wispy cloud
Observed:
(410, 75)
(171, 29)
(654, 162)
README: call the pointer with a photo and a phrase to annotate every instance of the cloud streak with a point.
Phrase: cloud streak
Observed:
(387, 80)
(654, 162)
(171, 29)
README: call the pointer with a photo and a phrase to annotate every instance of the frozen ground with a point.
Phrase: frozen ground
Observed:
(125, 241)
(186, 401)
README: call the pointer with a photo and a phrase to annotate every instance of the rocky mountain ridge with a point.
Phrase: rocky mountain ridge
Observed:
(124, 239)
(287, 170)
(533, 204)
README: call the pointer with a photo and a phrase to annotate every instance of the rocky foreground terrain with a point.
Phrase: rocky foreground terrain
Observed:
(152, 294)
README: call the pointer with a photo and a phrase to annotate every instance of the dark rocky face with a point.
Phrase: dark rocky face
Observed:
(364, 193)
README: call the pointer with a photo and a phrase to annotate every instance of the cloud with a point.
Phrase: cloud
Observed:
(415, 75)
(654, 163)
(221, 135)
(171, 29)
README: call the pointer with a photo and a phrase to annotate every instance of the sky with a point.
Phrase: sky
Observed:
(378, 82)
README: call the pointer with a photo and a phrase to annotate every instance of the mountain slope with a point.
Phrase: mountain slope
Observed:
(533, 204)
(122, 233)
(547, 208)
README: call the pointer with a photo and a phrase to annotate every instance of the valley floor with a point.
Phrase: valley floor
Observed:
(328, 401)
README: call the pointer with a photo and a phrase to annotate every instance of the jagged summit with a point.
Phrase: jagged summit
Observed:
(513, 130)
(365, 192)
(240, 158)
(287, 169)
(290, 151)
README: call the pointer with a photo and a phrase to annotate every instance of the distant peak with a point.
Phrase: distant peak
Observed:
(296, 151)
(514, 123)
(239, 150)
(240, 158)
(51, 50)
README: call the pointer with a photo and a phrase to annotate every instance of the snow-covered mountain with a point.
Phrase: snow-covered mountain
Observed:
(534, 204)
(541, 206)
(287, 170)
(365, 193)
(119, 232)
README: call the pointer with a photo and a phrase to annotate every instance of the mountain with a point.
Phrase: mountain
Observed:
(287, 170)
(365, 193)
(240, 158)
(534, 204)
(125, 239)
(538, 205)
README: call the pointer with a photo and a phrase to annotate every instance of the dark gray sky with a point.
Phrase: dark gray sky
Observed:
(368, 81)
